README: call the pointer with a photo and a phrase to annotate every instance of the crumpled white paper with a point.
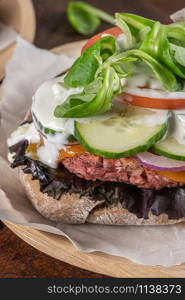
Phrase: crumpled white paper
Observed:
(178, 16)
(149, 245)
(7, 36)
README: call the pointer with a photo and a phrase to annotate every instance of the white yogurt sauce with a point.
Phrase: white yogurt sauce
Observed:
(177, 129)
(154, 93)
(48, 154)
(122, 42)
(26, 131)
(47, 97)
(143, 76)
(11, 157)
(149, 117)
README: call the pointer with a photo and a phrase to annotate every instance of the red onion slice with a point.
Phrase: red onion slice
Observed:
(160, 163)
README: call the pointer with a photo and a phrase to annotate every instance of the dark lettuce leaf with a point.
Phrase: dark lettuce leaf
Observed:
(19, 149)
(140, 202)
(38, 171)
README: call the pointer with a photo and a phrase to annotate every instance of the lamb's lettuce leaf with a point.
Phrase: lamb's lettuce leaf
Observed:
(75, 107)
(157, 45)
(101, 67)
(179, 54)
(84, 69)
(129, 41)
(167, 77)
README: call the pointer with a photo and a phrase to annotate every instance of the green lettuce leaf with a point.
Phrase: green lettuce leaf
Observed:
(84, 69)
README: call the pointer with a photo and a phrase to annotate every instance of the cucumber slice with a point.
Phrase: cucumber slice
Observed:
(171, 148)
(118, 136)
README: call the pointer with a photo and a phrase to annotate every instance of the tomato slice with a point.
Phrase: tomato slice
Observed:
(115, 31)
(136, 100)
(156, 103)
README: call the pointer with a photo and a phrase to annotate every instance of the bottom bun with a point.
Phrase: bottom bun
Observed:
(72, 208)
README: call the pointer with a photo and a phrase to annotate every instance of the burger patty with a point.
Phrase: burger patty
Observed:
(128, 170)
(138, 201)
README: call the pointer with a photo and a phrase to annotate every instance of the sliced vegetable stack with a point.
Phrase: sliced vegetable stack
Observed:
(123, 97)
(140, 62)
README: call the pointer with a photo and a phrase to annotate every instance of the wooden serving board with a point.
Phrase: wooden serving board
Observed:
(60, 248)
(21, 16)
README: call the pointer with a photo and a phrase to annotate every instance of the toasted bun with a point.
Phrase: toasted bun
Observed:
(73, 209)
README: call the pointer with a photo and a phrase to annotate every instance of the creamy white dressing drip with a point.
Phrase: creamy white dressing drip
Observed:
(47, 97)
(177, 126)
(122, 42)
(154, 93)
(59, 140)
(142, 76)
(149, 117)
(120, 39)
(26, 131)
(48, 154)
(11, 157)
(179, 129)
(140, 80)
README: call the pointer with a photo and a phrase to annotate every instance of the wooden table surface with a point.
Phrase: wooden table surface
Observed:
(18, 259)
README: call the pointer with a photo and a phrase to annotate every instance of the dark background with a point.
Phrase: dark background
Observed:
(53, 28)
(18, 259)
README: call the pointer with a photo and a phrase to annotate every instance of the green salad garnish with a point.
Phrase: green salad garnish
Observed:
(85, 18)
(101, 67)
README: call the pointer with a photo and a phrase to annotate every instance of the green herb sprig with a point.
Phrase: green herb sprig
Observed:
(101, 67)
(85, 18)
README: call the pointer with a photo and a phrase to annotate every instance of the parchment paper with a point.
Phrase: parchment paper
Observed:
(7, 36)
(178, 16)
(149, 245)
